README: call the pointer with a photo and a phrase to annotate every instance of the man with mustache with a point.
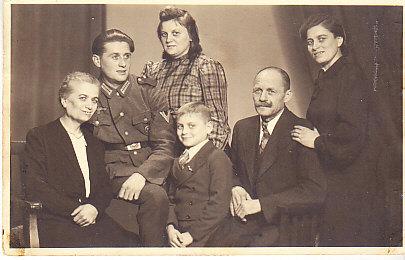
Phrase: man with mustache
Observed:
(132, 120)
(271, 170)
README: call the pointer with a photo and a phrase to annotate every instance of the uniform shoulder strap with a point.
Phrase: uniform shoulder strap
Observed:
(147, 82)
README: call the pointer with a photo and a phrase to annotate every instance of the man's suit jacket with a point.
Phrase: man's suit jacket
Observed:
(200, 193)
(54, 176)
(285, 174)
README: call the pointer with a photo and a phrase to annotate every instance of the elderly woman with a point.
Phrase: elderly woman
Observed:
(66, 172)
(339, 112)
(185, 74)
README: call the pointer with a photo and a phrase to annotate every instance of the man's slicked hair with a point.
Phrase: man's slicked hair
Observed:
(112, 35)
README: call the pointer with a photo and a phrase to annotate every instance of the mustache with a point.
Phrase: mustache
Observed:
(261, 104)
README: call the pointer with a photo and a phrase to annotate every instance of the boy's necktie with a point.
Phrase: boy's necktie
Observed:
(184, 158)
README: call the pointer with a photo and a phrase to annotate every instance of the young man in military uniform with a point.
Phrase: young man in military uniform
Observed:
(133, 121)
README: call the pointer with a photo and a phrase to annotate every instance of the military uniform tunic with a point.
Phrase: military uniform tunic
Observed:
(135, 114)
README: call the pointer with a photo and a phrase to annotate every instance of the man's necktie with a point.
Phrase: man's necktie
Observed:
(184, 158)
(265, 138)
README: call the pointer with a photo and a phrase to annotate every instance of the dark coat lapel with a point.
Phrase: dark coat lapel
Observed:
(190, 169)
(251, 144)
(280, 132)
(66, 147)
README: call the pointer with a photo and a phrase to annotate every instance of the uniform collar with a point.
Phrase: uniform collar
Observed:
(109, 91)
(329, 73)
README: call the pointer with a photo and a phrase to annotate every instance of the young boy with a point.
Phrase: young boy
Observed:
(201, 181)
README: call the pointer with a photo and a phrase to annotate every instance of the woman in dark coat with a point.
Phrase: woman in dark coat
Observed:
(66, 172)
(339, 111)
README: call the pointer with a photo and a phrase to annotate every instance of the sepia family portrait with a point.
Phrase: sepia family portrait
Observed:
(215, 127)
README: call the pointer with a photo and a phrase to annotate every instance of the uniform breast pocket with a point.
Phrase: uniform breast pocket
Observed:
(142, 122)
(99, 121)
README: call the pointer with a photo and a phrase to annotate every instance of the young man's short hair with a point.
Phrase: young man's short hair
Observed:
(112, 35)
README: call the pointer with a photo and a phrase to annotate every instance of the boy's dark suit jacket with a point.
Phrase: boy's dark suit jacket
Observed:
(200, 193)
(285, 174)
(54, 177)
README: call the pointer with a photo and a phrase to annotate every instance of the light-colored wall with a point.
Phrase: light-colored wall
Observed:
(243, 38)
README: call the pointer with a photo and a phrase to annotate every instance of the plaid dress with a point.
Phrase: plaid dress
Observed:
(203, 79)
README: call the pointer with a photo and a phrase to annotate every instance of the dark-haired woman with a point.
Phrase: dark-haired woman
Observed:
(339, 112)
(185, 74)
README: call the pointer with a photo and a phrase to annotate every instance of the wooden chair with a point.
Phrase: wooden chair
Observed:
(299, 225)
(23, 213)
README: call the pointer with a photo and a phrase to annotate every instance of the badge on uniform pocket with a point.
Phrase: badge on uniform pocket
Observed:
(165, 115)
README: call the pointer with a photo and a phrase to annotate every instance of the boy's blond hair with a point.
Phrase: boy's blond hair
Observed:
(195, 107)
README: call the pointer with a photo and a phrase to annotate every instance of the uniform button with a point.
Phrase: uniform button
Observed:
(188, 217)
(118, 94)
(80, 200)
(135, 152)
(122, 114)
(145, 119)
(190, 203)
(96, 123)
(125, 133)
(147, 128)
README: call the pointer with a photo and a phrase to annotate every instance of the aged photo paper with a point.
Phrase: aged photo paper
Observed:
(43, 40)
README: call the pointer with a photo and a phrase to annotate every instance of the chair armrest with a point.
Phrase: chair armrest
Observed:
(33, 205)
(31, 235)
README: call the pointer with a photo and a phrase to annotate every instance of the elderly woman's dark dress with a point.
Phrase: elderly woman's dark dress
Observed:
(339, 111)
(54, 178)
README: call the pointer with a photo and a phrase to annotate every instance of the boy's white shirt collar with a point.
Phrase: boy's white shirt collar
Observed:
(192, 151)
(271, 124)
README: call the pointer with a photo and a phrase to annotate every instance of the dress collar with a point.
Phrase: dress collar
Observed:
(334, 68)
(177, 61)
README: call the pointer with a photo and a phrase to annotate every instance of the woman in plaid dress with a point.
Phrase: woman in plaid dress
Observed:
(186, 74)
